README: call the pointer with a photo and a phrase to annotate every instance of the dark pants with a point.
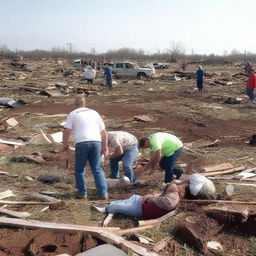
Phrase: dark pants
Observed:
(168, 164)
(109, 83)
(89, 81)
(200, 85)
(250, 93)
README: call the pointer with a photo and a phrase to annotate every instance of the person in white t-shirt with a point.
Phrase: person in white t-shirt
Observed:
(91, 142)
(197, 186)
(125, 148)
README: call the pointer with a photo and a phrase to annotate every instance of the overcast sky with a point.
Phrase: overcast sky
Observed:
(207, 26)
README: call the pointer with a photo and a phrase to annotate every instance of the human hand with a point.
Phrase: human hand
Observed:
(139, 170)
(105, 153)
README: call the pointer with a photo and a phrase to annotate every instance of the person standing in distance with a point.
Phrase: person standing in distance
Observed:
(251, 85)
(108, 76)
(91, 142)
(200, 78)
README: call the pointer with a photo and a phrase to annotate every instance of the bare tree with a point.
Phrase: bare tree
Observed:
(176, 50)
(4, 51)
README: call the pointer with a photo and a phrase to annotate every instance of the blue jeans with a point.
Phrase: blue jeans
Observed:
(130, 207)
(250, 93)
(168, 164)
(128, 158)
(89, 150)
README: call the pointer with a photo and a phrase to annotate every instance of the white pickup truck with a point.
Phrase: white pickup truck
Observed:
(128, 69)
(162, 65)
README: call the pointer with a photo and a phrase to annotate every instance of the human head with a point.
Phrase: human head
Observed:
(79, 102)
(251, 71)
(144, 142)
(200, 67)
(184, 191)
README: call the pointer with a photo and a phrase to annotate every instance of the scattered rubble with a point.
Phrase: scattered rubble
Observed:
(49, 178)
(213, 133)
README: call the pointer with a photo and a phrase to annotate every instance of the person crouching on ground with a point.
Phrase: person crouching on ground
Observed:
(197, 186)
(147, 207)
(91, 142)
(165, 149)
(125, 147)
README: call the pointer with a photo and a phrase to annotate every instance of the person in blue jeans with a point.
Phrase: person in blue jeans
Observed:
(147, 207)
(108, 76)
(91, 142)
(165, 149)
(125, 149)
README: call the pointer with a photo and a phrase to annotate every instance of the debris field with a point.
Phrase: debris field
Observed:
(37, 178)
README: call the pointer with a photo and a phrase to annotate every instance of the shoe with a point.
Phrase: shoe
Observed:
(178, 171)
(80, 196)
(104, 197)
(125, 180)
(98, 209)
(163, 185)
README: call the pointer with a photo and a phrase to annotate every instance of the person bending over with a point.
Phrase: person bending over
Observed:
(125, 149)
(165, 150)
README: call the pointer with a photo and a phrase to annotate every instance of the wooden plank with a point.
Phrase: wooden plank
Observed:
(107, 220)
(218, 167)
(23, 202)
(15, 214)
(6, 193)
(9, 175)
(217, 201)
(99, 232)
(133, 230)
(241, 168)
(158, 220)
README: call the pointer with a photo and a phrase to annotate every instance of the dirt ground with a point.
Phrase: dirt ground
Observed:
(197, 118)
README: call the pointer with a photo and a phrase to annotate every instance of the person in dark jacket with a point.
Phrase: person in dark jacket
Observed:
(108, 76)
(200, 78)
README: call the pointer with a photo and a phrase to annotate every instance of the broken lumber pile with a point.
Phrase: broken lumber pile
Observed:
(202, 201)
(241, 168)
(218, 167)
(102, 233)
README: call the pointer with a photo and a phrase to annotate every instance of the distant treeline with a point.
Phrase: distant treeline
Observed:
(173, 54)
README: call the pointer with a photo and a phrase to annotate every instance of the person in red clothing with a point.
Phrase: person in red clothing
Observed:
(251, 84)
(147, 207)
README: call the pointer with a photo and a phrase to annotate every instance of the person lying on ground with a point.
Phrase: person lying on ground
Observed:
(196, 186)
(165, 150)
(125, 147)
(147, 207)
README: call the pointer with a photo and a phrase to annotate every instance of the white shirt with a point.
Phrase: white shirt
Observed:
(86, 124)
(196, 182)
